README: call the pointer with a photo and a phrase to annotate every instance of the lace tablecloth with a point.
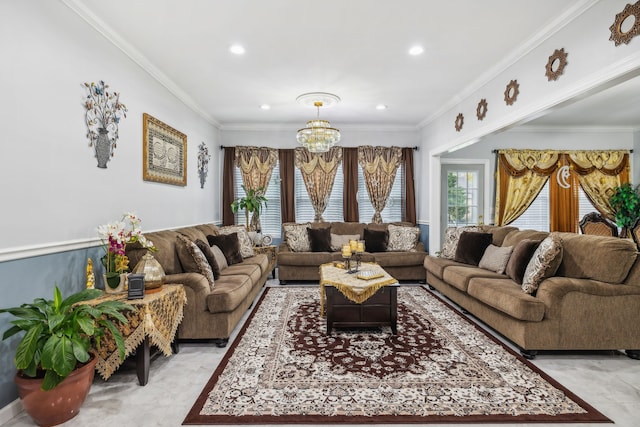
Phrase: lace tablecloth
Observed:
(349, 285)
(156, 316)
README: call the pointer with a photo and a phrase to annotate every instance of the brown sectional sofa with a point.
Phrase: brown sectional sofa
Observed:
(304, 266)
(591, 303)
(209, 313)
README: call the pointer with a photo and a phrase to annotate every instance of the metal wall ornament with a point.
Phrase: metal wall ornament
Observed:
(203, 163)
(629, 17)
(511, 93)
(555, 65)
(481, 110)
(459, 122)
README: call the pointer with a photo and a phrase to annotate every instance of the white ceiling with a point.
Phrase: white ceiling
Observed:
(356, 49)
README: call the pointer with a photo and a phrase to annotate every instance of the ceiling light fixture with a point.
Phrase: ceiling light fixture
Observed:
(318, 136)
(265, 106)
(237, 49)
(416, 50)
(381, 107)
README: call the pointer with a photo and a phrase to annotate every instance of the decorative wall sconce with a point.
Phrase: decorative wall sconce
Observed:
(629, 18)
(556, 64)
(459, 122)
(511, 93)
(203, 163)
(481, 111)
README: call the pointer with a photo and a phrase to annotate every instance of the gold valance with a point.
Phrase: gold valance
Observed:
(262, 159)
(609, 162)
(518, 162)
(307, 162)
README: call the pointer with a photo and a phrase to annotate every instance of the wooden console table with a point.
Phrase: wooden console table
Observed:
(153, 323)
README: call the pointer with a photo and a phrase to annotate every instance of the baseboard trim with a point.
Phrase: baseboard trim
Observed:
(11, 410)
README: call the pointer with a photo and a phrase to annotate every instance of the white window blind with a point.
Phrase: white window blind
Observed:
(270, 218)
(304, 209)
(392, 210)
(584, 204)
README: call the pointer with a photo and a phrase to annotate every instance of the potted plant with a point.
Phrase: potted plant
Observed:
(625, 203)
(251, 202)
(54, 358)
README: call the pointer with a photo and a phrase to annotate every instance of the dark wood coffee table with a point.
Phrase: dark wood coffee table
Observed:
(381, 309)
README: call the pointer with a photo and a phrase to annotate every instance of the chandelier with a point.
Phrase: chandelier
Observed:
(318, 136)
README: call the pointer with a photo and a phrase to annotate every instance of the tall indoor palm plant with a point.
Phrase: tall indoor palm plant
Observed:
(251, 203)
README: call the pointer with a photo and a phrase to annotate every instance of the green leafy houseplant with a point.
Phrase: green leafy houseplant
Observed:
(251, 202)
(60, 333)
(625, 203)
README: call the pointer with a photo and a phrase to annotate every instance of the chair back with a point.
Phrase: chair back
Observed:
(635, 232)
(596, 224)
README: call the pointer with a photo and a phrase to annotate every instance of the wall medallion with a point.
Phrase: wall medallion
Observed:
(556, 64)
(481, 111)
(511, 93)
(459, 122)
(626, 25)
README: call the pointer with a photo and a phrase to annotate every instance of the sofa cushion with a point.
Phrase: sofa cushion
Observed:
(514, 237)
(192, 233)
(399, 259)
(451, 237)
(471, 246)
(402, 238)
(297, 237)
(506, 296)
(520, 257)
(246, 244)
(436, 265)
(221, 260)
(375, 241)
(208, 254)
(166, 254)
(229, 244)
(499, 232)
(261, 260)
(339, 240)
(459, 275)
(208, 229)
(305, 258)
(193, 260)
(495, 258)
(319, 239)
(230, 291)
(543, 264)
(348, 228)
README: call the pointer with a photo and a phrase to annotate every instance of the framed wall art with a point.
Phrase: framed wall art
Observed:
(164, 152)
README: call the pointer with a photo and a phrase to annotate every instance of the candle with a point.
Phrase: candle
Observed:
(360, 247)
(346, 251)
(353, 245)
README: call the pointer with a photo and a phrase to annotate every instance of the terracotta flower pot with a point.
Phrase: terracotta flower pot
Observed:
(52, 407)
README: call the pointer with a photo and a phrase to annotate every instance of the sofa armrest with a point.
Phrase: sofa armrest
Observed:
(419, 247)
(196, 287)
(284, 247)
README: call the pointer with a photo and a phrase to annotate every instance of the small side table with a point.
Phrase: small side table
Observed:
(271, 251)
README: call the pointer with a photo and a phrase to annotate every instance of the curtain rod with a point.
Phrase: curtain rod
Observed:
(630, 151)
(415, 148)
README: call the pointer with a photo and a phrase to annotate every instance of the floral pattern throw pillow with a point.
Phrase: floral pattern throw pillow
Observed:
(246, 244)
(402, 238)
(297, 237)
(451, 238)
(543, 264)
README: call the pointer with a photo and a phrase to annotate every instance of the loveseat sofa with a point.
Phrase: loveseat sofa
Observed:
(213, 309)
(591, 301)
(401, 254)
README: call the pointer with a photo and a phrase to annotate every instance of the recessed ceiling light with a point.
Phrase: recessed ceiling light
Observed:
(265, 106)
(381, 107)
(237, 49)
(416, 50)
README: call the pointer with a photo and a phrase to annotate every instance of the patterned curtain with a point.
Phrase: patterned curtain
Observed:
(599, 173)
(379, 166)
(318, 172)
(521, 176)
(256, 165)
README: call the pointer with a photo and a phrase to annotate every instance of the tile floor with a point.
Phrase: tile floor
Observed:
(609, 381)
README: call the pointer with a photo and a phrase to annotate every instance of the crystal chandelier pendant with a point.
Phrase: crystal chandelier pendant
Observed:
(318, 136)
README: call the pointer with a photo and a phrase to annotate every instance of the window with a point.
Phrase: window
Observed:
(270, 218)
(394, 207)
(304, 209)
(462, 193)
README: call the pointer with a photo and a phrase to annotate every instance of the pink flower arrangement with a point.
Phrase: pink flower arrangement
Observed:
(115, 236)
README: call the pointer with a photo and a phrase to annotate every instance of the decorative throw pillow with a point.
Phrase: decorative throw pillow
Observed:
(193, 260)
(451, 236)
(375, 241)
(402, 238)
(320, 239)
(246, 244)
(297, 237)
(221, 260)
(495, 258)
(339, 240)
(229, 245)
(522, 253)
(544, 263)
(206, 251)
(471, 246)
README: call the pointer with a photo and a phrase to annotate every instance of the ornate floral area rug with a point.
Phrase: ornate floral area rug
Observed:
(283, 369)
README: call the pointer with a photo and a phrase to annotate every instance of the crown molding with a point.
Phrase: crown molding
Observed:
(137, 57)
(575, 129)
(492, 73)
(293, 127)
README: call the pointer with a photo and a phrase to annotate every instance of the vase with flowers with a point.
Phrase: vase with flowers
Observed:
(104, 111)
(115, 236)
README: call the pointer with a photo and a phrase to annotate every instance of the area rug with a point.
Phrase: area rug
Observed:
(283, 368)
